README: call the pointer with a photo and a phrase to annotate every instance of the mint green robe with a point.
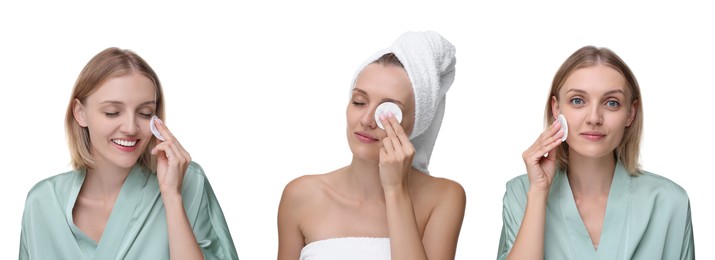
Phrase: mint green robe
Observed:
(136, 228)
(647, 217)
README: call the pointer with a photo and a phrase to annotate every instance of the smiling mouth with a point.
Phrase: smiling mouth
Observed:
(125, 143)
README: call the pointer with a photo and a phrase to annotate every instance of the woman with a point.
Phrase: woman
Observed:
(130, 195)
(588, 198)
(384, 204)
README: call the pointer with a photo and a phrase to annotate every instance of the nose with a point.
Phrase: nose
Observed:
(595, 115)
(130, 124)
(368, 118)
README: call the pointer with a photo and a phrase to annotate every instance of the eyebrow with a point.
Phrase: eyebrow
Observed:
(383, 100)
(607, 93)
(114, 102)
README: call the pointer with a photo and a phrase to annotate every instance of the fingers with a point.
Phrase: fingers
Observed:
(163, 130)
(546, 143)
(396, 133)
(170, 142)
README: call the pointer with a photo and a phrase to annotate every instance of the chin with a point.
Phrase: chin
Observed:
(363, 153)
(125, 163)
(594, 152)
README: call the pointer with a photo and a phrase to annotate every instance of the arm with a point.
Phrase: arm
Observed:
(439, 240)
(290, 237)
(182, 243)
(172, 162)
(442, 230)
(205, 216)
(529, 242)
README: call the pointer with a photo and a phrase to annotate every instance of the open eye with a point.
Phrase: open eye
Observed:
(613, 103)
(577, 101)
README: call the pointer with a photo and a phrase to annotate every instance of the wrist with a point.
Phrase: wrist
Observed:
(171, 198)
(393, 190)
(537, 195)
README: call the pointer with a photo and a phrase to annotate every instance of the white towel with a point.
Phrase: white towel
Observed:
(429, 60)
(348, 248)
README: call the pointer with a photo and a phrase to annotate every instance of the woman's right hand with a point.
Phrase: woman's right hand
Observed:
(540, 168)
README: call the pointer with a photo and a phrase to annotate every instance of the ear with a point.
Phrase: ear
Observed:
(79, 111)
(634, 111)
(555, 110)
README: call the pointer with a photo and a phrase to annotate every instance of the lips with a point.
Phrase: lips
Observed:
(593, 136)
(126, 145)
(365, 137)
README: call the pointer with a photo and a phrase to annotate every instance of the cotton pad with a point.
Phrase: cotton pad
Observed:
(387, 107)
(154, 130)
(564, 127)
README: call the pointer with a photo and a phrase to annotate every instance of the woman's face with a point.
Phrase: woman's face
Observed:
(596, 103)
(374, 85)
(117, 116)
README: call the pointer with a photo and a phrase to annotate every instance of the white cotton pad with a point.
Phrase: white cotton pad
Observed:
(564, 127)
(383, 109)
(154, 130)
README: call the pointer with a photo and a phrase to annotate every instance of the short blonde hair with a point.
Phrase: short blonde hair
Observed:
(110, 63)
(628, 150)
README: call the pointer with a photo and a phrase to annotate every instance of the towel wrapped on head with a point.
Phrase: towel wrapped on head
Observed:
(429, 61)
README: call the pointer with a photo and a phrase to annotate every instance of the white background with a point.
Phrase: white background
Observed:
(257, 93)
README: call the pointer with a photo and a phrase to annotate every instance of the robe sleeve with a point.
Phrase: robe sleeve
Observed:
(23, 246)
(204, 212)
(514, 203)
(688, 249)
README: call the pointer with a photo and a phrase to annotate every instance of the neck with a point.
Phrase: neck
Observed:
(363, 179)
(104, 180)
(590, 176)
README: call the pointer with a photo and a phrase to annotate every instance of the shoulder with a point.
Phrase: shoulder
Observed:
(444, 186)
(56, 184)
(305, 188)
(437, 189)
(50, 191)
(195, 169)
(195, 183)
(518, 182)
(302, 198)
(516, 191)
(661, 187)
(195, 174)
(518, 186)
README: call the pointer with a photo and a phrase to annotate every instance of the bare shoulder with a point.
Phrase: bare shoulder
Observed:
(304, 187)
(306, 190)
(438, 189)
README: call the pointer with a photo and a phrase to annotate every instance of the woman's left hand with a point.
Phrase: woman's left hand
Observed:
(396, 155)
(172, 162)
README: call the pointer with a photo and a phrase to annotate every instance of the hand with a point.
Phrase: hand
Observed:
(396, 155)
(172, 162)
(539, 168)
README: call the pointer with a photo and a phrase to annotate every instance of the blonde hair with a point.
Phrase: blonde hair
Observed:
(110, 63)
(628, 150)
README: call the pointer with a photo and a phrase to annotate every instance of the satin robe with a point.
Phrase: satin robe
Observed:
(136, 228)
(647, 217)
